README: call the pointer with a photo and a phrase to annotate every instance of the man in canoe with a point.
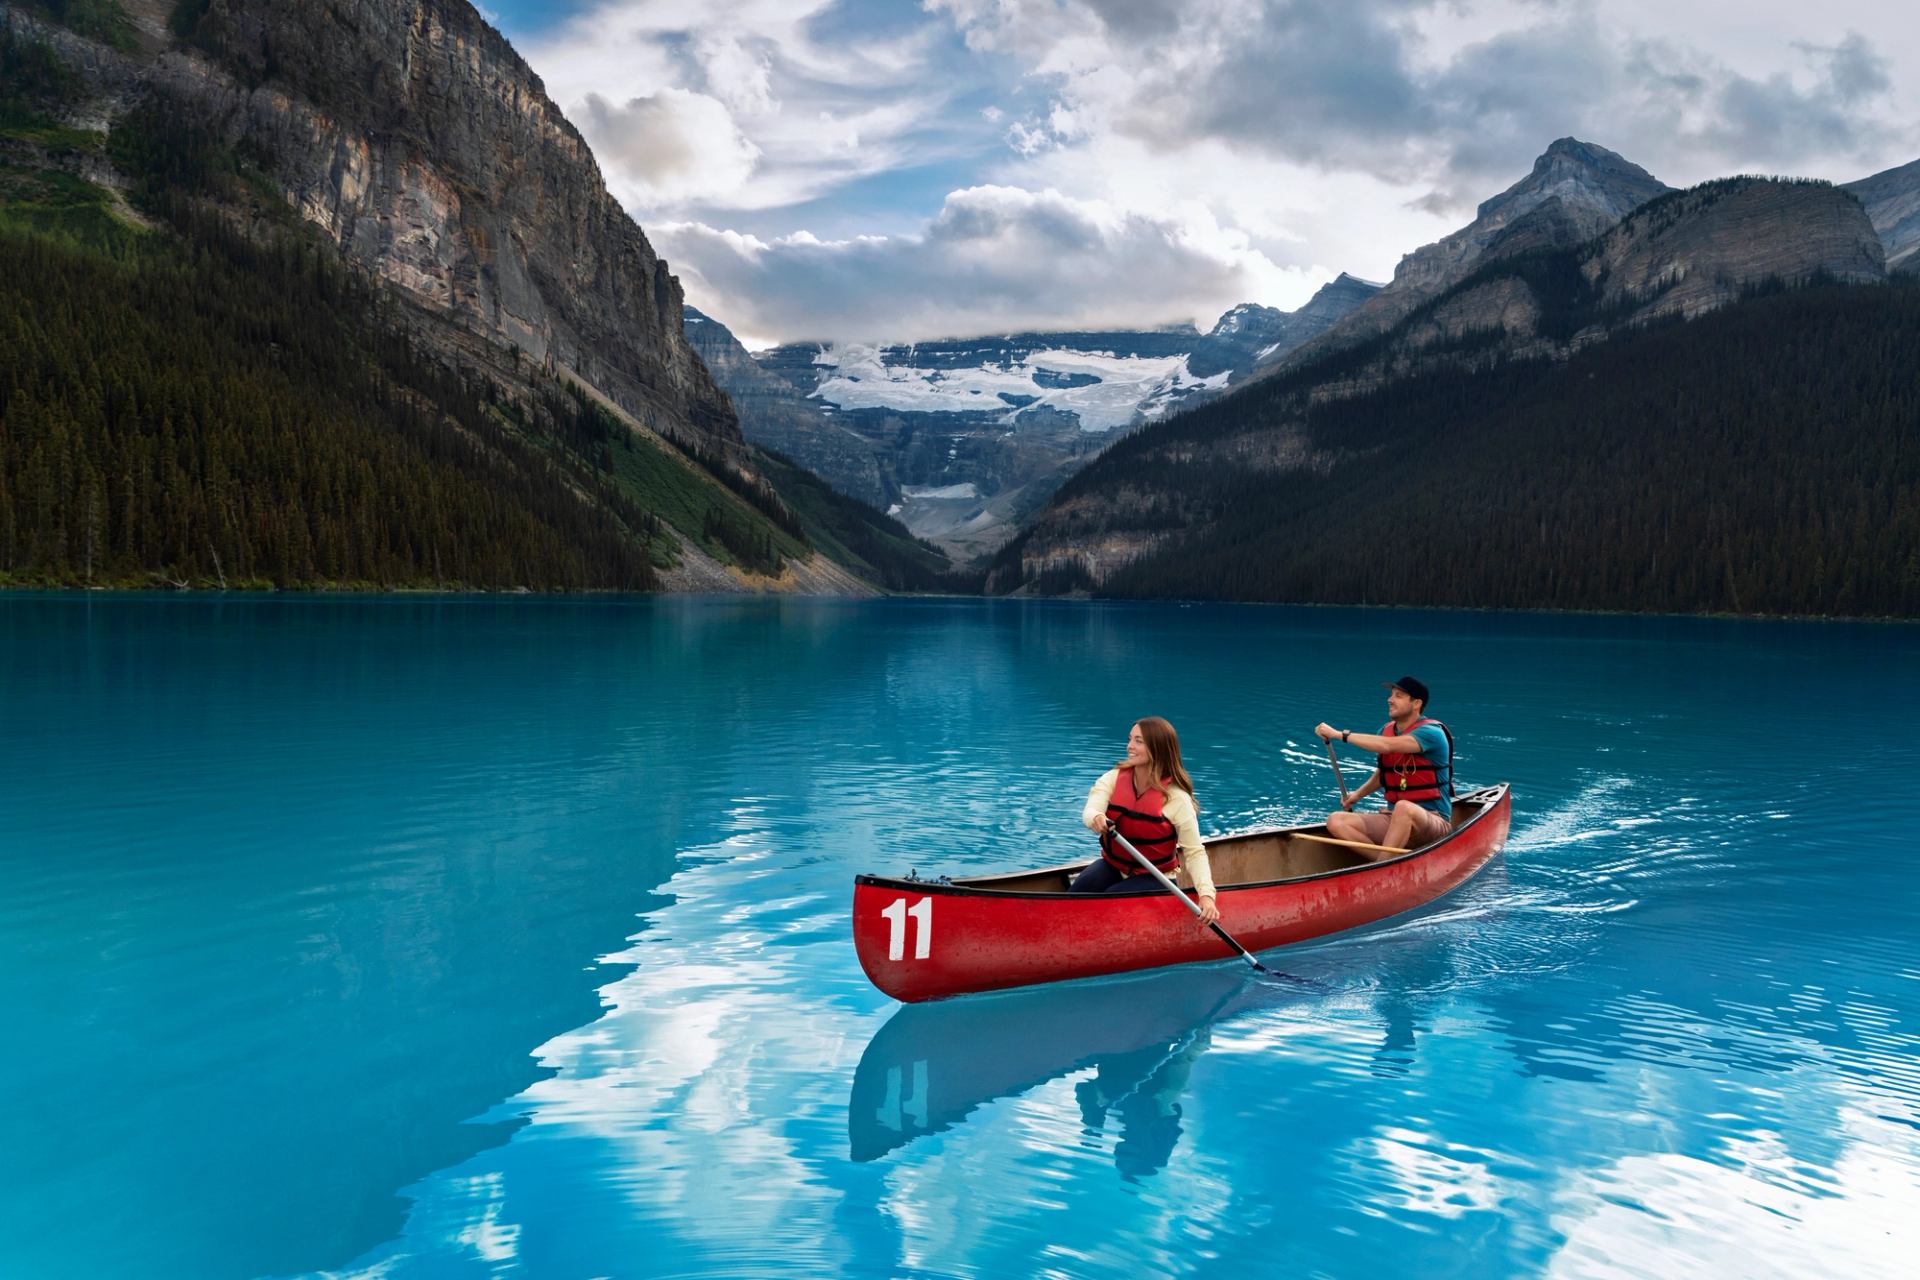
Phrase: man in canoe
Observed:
(1416, 772)
(1148, 798)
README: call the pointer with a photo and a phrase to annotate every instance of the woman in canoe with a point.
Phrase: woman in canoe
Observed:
(1148, 797)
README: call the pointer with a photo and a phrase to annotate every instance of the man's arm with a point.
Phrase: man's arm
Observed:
(1399, 744)
(1374, 742)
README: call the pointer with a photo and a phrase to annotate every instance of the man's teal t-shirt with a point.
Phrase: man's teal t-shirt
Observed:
(1433, 745)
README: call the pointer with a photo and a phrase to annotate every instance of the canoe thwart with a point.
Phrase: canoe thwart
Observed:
(1351, 844)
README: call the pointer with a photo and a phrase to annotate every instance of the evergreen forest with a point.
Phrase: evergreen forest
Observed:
(1763, 459)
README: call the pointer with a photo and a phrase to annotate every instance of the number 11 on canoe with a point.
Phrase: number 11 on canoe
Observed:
(896, 916)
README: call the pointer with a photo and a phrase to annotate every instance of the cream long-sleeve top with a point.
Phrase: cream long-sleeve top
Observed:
(1179, 811)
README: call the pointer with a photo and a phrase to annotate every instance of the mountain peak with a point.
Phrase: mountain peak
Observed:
(1579, 173)
(1574, 149)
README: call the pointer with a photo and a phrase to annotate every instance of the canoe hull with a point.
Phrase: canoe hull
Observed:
(921, 940)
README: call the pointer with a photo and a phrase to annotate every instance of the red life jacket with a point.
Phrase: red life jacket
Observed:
(1143, 821)
(1413, 777)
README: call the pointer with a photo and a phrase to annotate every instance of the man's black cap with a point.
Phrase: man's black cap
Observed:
(1412, 688)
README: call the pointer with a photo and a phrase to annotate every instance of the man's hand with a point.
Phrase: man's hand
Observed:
(1326, 731)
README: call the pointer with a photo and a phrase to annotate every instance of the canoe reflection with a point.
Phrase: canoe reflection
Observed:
(932, 1064)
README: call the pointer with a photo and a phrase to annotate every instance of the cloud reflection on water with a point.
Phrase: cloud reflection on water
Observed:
(1629, 997)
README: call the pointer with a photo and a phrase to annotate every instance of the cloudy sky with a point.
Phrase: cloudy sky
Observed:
(884, 169)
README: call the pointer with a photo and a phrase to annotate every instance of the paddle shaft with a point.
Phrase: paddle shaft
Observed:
(1338, 777)
(1192, 906)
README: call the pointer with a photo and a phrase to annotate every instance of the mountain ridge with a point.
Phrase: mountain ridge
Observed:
(1574, 191)
(1677, 257)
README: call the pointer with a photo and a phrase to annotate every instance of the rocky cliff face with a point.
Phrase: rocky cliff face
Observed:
(1698, 249)
(1684, 253)
(1892, 202)
(413, 134)
(1576, 191)
(776, 413)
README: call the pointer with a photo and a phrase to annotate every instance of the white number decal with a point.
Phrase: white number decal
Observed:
(896, 916)
(923, 938)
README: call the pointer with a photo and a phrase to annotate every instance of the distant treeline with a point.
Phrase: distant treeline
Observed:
(1762, 459)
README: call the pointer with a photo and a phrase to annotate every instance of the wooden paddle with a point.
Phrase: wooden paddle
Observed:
(1340, 779)
(1192, 906)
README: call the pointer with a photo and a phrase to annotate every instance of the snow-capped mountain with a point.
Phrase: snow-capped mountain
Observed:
(964, 437)
(1102, 381)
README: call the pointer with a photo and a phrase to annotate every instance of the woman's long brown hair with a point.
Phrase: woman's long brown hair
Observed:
(1163, 752)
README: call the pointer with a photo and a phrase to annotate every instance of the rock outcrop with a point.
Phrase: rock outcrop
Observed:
(1892, 202)
(1576, 191)
(1701, 248)
(1684, 253)
(413, 135)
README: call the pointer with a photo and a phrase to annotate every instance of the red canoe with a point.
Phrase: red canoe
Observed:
(920, 939)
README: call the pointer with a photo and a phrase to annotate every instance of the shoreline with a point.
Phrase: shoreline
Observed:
(262, 593)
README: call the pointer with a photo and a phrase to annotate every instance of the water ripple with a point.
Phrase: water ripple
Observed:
(511, 937)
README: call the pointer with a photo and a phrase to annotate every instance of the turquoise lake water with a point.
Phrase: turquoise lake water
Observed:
(412, 937)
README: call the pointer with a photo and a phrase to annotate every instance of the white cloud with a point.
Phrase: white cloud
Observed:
(1250, 145)
(1460, 98)
(748, 81)
(667, 147)
(1755, 1219)
(995, 260)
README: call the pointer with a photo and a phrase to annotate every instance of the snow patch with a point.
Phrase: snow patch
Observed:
(945, 491)
(864, 380)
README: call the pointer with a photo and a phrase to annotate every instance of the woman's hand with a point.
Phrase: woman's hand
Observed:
(1099, 823)
(1208, 911)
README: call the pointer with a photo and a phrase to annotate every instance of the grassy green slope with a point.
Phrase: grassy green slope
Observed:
(876, 546)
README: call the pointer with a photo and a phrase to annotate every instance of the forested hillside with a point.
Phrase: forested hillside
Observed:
(195, 390)
(1762, 459)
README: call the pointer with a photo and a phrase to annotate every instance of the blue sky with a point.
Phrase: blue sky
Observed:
(851, 169)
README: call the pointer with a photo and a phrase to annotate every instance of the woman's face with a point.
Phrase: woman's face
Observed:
(1137, 748)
